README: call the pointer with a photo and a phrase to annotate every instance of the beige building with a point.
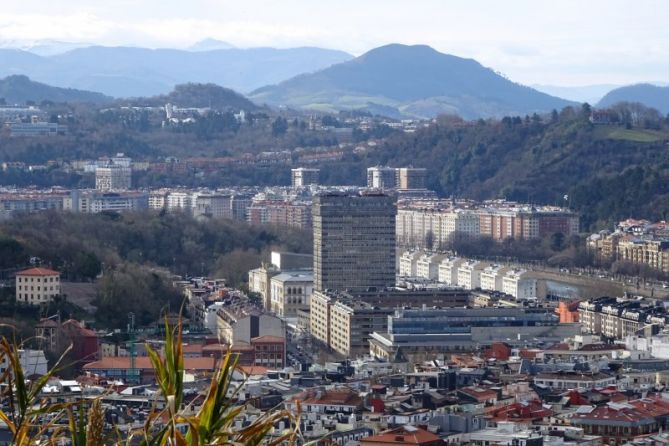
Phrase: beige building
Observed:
(345, 324)
(260, 282)
(290, 292)
(36, 286)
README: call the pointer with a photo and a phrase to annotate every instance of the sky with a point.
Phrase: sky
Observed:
(565, 42)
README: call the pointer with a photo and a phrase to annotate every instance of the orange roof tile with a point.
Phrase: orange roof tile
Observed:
(144, 363)
(38, 272)
(403, 435)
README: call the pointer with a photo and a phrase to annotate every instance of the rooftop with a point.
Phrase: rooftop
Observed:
(38, 272)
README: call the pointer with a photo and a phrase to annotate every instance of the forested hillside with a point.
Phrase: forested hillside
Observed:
(131, 255)
(607, 172)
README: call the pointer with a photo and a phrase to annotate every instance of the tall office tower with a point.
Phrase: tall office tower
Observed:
(411, 178)
(381, 177)
(304, 177)
(354, 241)
(113, 178)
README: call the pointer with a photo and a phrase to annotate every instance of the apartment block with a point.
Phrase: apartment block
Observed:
(302, 177)
(113, 178)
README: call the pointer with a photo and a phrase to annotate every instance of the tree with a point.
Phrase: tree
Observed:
(557, 241)
(279, 126)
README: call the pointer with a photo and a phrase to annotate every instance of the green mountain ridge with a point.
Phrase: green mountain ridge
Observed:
(417, 81)
(647, 94)
(19, 89)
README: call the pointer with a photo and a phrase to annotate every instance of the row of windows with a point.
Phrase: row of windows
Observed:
(37, 279)
(32, 288)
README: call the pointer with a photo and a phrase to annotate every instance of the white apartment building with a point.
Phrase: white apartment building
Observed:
(36, 286)
(409, 263)
(492, 277)
(290, 292)
(448, 270)
(179, 201)
(158, 199)
(519, 284)
(113, 178)
(469, 274)
(427, 266)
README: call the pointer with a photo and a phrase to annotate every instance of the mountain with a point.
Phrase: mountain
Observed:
(415, 80)
(18, 89)
(580, 93)
(45, 47)
(210, 44)
(135, 72)
(649, 95)
(200, 95)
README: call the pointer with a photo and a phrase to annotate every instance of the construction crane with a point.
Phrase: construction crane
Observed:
(133, 375)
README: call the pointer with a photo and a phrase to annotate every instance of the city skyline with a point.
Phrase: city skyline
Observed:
(564, 44)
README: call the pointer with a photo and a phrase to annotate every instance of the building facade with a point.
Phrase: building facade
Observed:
(36, 286)
(354, 241)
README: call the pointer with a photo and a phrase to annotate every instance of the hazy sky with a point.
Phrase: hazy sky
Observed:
(565, 42)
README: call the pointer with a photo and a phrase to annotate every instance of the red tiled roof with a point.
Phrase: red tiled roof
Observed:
(343, 397)
(144, 363)
(253, 370)
(192, 348)
(38, 272)
(403, 435)
(478, 393)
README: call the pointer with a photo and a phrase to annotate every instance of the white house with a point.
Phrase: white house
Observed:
(448, 270)
(409, 263)
(492, 277)
(520, 284)
(427, 266)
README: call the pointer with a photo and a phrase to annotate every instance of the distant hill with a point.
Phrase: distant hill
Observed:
(201, 95)
(415, 81)
(581, 93)
(647, 94)
(135, 72)
(210, 44)
(19, 89)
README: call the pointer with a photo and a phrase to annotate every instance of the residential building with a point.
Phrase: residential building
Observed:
(239, 326)
(403, 436)
(469, 274)
(302, 177)
(113, 178)
(354, 241)
(36, 286)
(448, 270)
(574, 380)
(120, 368)
(411, 178)
(427, 266)
(212, 205)
(380, 177)
(409, 263)
(492, 277)
(319, 401)
(520, 284)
